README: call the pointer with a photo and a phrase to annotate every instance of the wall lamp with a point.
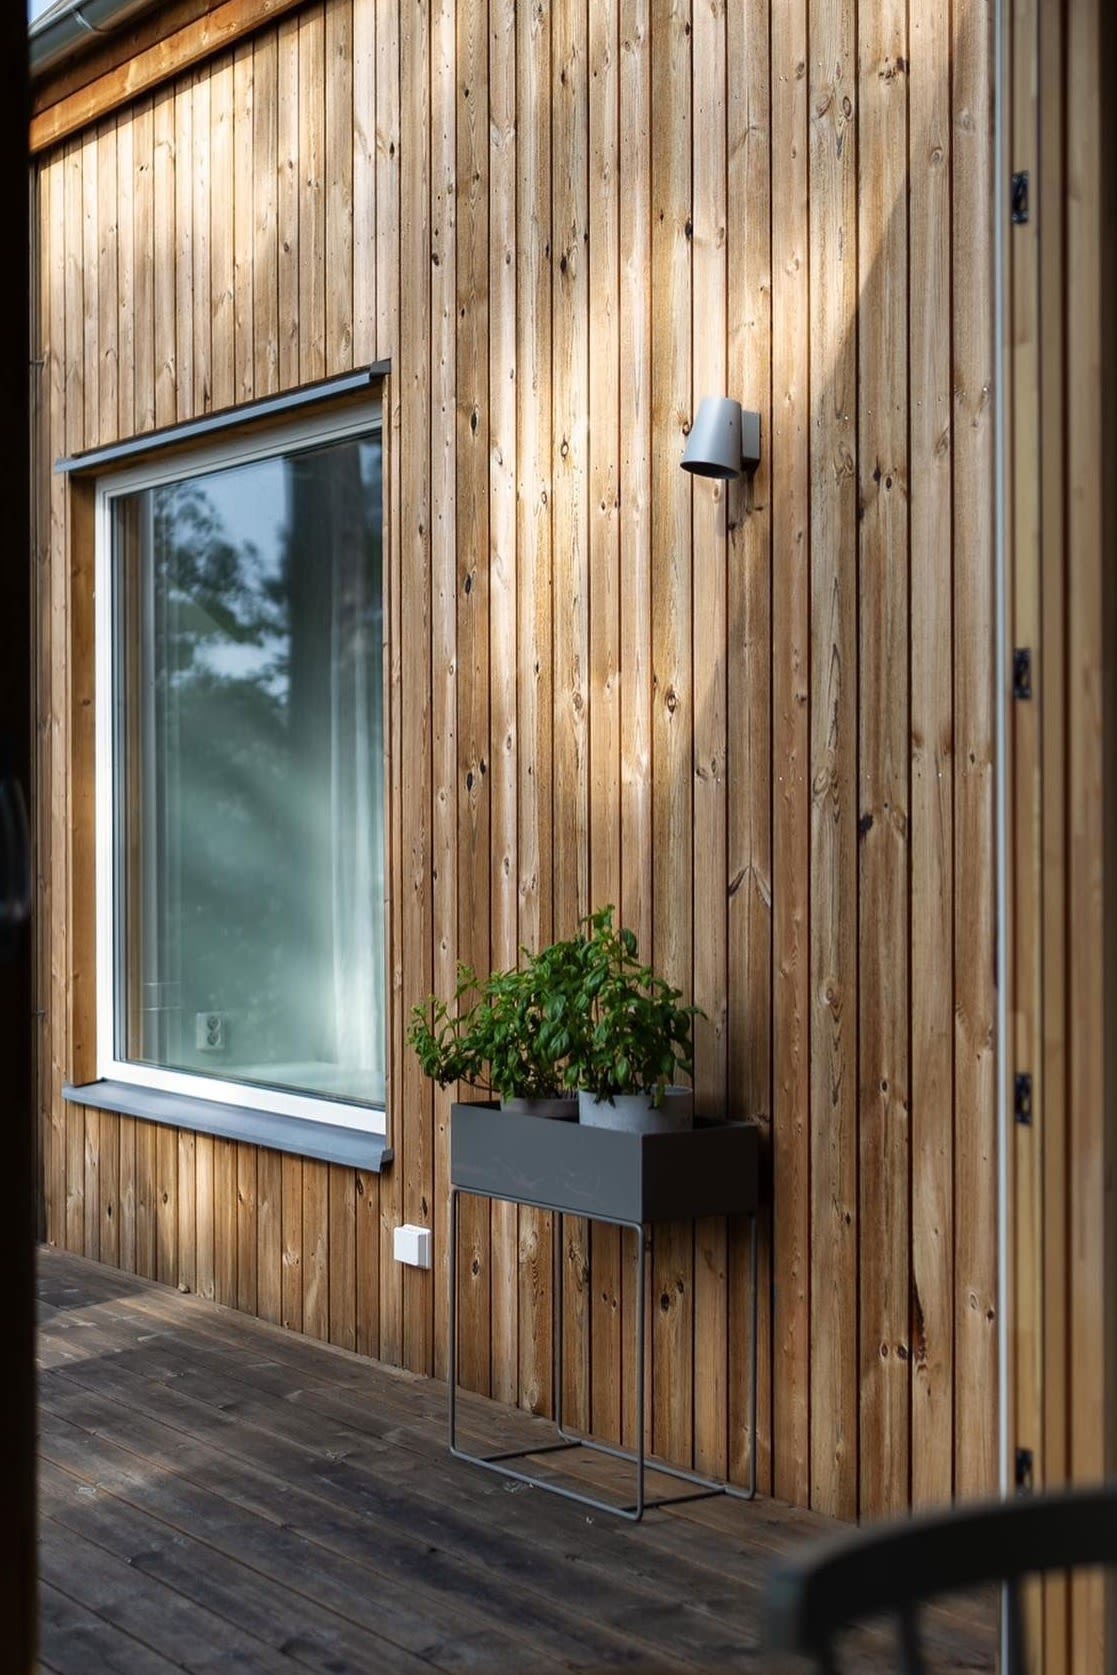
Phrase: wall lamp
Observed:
(723, 440)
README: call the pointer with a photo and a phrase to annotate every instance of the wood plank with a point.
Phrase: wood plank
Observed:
(146, 1218)
(883, 963)
(709, 515)
(247, 1228)
(461, 1611)
(634, 426)
(147, 1611)
(143, 254)
(439, 1521)
(364, 182)
(634, 420)
(570, 585)
(187, 1233)
(184, 249)
(444, 592)
(91, 1190)
(932, 765)
(269, 1235)
(201, 166)
(604, 683)
(312, 194)
(316, 1249)
(442, 608)
(388, 298)
(570, 464)
(1089, 717)
(193, 1354)
(387, 175)
(54, 653)
(749, 1055)
(1023, 786)
(125, 274)
(77, 1638)
(205, 1215)
(414, 1140)
(343, 1257)
(81, 1010)
(108, 307)
(265, 214)
(503, 658)
(165, 235)
(244, 222)
(832, 208)
(225, 1241)
(292, 1288)
(339, 204)
(166, 1206)
(74, 287)
(975, 1344)
(472, 440)
(534, 695)
(287, 201)
(672, 1308)
(108, 1235)
(368, 1263)
(39, 787)
(67, 411)
(1056, 1023)
(87, 254)
(194, 44)
(126, 1255)
(222, 274)
(229, 1590)
(672, 671)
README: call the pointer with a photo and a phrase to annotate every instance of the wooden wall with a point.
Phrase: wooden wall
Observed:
(760, 721)
(1063, 458)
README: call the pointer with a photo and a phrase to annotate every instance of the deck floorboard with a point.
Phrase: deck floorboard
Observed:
(216, 1493)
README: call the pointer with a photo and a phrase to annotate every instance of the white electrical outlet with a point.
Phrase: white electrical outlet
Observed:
(412, 1245)
(209, 1032)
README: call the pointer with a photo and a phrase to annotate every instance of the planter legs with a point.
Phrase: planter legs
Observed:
(702, 1487)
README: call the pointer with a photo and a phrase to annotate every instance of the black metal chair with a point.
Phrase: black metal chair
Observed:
(895, 1568)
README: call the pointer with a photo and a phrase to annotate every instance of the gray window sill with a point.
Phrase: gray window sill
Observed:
(323, 1141)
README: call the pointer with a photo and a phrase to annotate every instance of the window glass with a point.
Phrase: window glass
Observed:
(248, 745)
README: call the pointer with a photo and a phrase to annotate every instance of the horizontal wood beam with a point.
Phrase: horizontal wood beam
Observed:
(169, 57)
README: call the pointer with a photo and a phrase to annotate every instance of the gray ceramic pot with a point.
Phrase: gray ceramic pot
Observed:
(635, 1113)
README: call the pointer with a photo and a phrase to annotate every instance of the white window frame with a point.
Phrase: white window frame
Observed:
(276, 440)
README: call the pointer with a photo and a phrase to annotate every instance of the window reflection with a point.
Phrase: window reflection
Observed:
(249, 781)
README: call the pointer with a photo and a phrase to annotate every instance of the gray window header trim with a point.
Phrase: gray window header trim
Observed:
(323, 1141)
(154, 441)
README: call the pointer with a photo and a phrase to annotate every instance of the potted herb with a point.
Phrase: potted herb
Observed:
(637, 1039)
(511, 1034)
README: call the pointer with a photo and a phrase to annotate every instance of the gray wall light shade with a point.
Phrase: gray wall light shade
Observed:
(723, 440)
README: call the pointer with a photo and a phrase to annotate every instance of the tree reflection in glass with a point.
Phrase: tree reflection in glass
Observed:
(249, 786)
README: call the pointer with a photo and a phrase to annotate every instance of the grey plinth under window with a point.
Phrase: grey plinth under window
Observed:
(629, 1181)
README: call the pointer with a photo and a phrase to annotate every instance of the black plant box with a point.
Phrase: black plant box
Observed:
(709, 1170)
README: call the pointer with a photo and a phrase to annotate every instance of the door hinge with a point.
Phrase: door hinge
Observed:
(1023, 1098)
(1022, 672)
(1020, 204)
(1025, 1465)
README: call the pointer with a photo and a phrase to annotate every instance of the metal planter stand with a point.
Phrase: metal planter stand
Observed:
(628, 1181)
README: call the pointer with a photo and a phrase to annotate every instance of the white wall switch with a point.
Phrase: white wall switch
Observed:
(412, 1245)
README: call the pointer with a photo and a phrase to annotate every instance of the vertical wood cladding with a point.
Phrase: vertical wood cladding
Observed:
(758, 717)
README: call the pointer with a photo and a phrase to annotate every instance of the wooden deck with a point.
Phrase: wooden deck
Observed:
(216, 1494)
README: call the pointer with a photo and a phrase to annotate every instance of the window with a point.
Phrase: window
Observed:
(240, 774)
